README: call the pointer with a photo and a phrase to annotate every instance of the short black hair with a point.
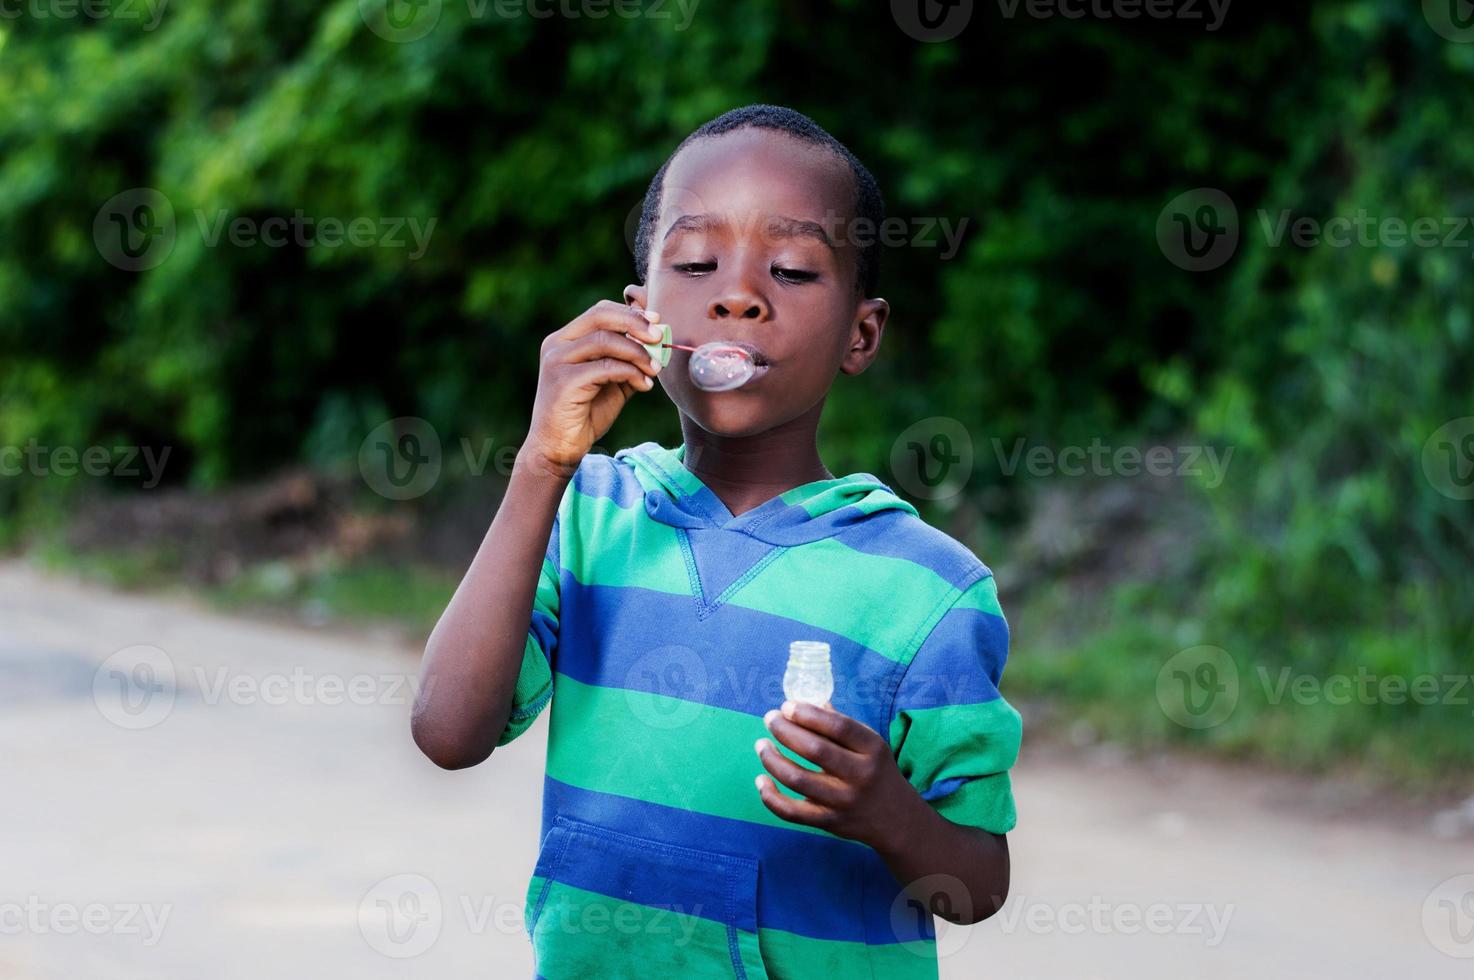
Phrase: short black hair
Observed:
(869, 204)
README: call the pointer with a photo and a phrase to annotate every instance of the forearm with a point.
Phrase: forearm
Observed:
(473, 656)
(921, 843)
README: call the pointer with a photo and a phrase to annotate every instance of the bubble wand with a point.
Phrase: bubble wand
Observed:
(720, 365)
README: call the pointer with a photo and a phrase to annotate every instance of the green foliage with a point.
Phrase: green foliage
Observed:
(528, 141)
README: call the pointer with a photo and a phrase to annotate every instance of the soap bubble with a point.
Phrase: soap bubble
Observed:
(723, 365)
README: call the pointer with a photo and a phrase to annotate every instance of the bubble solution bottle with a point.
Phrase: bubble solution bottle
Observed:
(808, 677)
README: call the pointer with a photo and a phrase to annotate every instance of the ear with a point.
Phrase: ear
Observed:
(636, 295)
(870, 317)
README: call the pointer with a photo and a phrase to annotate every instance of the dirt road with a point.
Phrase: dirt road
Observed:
(189, 795)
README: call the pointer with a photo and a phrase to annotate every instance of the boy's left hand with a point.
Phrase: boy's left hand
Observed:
(860, 791)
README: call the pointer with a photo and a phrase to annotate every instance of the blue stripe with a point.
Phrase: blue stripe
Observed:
(553, 551)
(811, 885)
(544, 630)
(600, 476)
(945, 787)
(961, 662)
(657, 873)
(722, 558)
(897, 534)
(641, 640)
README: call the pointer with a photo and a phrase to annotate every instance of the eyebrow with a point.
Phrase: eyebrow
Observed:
(778, 226)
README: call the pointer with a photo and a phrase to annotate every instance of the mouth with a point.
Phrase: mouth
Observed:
(758, 355)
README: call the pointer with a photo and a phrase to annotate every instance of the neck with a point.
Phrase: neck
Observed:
(747, 471)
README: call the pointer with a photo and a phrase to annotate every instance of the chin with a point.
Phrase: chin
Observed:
(730, 418)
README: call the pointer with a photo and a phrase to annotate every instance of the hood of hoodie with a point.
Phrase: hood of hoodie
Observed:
(675, 496)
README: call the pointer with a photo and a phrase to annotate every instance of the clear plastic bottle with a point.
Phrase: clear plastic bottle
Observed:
(808, 677)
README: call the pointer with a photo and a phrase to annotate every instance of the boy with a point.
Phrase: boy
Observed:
(672, 581)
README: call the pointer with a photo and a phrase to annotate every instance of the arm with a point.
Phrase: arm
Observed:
(589, 370)
(925, 844)
(473, 655)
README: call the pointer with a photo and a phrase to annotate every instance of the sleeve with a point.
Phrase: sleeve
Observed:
(535, 677)
(952, 733)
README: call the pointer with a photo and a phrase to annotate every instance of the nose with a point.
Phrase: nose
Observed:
(739, 301)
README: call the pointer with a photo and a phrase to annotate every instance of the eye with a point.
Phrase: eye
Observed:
(694, 268)
(794, 275)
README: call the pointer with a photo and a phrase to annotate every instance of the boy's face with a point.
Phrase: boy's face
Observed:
(750, 246)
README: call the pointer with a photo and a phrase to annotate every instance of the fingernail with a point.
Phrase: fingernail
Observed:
(758, 745)
(650, 315)
(655, 365)
(788, 709)
(758, 782)
(768, 718)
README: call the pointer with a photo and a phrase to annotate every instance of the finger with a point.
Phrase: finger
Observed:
(817, 786)
(604, 343)
(818, 749)
(592, 375)
(606, 315)
(794, 811)
(853, 735)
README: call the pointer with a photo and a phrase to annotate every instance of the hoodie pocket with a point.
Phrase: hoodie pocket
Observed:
(612, 905)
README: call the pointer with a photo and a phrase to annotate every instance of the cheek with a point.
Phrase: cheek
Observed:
(675, 302)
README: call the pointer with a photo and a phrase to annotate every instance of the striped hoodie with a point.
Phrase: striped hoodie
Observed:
(659, 637)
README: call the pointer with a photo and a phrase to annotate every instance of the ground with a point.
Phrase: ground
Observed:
(272, 818)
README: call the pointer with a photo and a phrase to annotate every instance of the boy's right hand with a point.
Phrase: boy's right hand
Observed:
(589, 369)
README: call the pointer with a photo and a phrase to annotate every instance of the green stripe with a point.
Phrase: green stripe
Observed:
(956, 740)
(670, 461)
(533, 690)
(802, 585)
(789, 955)
(546, 597)
(580, 934)
(975, 741)
(987, 803)
(982, 595)
(799, 584)
(662, 750)
(534, 677)
(651, 559)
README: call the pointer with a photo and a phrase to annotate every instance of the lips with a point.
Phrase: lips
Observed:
(759, 356)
